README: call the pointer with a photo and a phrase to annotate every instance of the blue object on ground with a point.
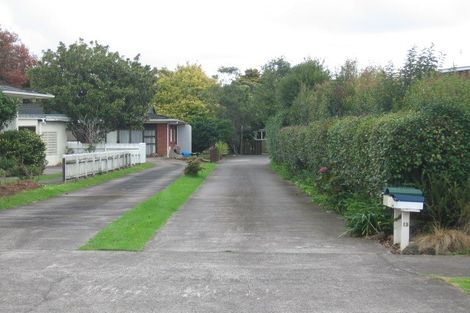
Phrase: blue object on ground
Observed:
(186, 154)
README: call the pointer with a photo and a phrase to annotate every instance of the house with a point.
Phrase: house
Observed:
(460, 70)
(161, 134)
(31, 116)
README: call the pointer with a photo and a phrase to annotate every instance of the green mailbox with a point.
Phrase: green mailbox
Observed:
(402, 200)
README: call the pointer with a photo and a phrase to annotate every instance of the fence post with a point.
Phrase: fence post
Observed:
(86, 166)
(77, 165)
(63, 170)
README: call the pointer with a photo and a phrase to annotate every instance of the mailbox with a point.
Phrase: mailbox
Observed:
(402, 200)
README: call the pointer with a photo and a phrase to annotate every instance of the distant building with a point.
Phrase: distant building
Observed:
(161, 134)
(461, 70)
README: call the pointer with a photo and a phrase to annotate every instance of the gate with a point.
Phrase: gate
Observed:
(252, 147)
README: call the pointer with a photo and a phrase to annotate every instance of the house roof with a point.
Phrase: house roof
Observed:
(154, 118)
(24, 93)
(455, 69)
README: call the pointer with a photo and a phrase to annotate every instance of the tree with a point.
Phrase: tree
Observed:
(185, 94)
(98, 89)
(308, 73)
(7, 109)
(208, 130)
(420, 64)
(236, 100)
(15, 60)
(227, 74)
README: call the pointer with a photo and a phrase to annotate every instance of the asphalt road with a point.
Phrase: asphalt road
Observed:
(245, 242)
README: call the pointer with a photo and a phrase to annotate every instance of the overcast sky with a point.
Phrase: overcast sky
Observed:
(247, 33)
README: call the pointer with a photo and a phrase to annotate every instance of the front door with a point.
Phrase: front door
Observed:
(173, 136)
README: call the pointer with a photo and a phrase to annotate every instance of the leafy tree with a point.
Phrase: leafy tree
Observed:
(419, 64)
(226, 74)
(7, 109)
(98, 89)
(238, 106)
(185, 93)
(265, 94)
(209, 130)
(309, 73)
(15, 59)
(446, 90)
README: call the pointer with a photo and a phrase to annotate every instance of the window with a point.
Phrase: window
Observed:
(30, 128)
(123, 136)
(173, 134)
(260, 134)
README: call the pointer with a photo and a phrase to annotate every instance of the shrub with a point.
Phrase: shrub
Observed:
(22, 153)
(222, 149)
(443, 241)
(208, 130)
(449, 89)
(366, 217)
(193, 167)
(447, 202)
(7, 109)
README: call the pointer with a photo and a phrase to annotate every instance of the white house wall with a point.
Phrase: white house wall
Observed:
(185, 137)
(56, 135)
(59, 129)
(111, 137)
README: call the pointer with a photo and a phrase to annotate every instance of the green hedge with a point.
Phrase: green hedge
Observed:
(364, 154)
(22, 153)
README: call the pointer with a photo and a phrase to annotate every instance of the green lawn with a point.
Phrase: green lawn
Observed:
(137, 226)
(461, 282)
(48, 177)
(49, 191)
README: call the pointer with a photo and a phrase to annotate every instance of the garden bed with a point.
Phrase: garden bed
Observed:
(16, 187)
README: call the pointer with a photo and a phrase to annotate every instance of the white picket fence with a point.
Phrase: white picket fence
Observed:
(85, 164)
(79, 147)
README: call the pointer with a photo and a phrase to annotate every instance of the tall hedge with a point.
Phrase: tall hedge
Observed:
(368, 153)
(22, 153)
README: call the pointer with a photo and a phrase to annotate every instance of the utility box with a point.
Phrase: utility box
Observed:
(402, 200)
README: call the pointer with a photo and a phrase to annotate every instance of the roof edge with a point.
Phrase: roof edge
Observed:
(28, 95)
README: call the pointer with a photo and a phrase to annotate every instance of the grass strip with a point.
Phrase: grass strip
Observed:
(50, 191)
(48, 177)
(137, 226)
(305, 184)
(463, 283)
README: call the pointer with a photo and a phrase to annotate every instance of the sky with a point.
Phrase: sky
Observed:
(247, 34)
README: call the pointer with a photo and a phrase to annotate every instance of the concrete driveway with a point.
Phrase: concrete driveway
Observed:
(245, 242)
(68, 221)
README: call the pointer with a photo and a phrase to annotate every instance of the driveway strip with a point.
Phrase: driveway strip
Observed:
(66, 222)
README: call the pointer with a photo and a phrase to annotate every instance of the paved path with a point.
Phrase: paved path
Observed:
(68, 221)
(245, 242)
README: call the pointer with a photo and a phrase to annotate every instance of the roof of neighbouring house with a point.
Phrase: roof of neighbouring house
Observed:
(154, 118)
(24, 93)
(455, 69)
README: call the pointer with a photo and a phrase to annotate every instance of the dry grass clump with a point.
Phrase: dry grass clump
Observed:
(443, 241)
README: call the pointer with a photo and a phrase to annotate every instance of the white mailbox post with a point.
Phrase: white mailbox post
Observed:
(403, 201)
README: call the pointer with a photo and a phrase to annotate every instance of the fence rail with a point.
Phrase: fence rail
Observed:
(86, 164)
(79, 147)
